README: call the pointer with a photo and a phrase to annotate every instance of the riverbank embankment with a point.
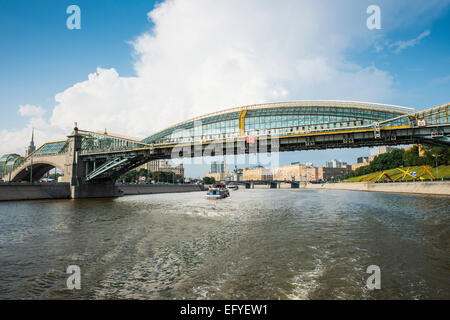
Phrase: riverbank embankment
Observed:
(36, 191)
(134, 189)
(39, 191)
(418, 187)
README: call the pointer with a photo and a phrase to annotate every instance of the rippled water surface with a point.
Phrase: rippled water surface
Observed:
(257, 244)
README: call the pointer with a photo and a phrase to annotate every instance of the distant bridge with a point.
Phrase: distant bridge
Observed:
(92, 161)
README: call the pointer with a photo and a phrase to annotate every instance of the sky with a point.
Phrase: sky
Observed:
(136, 67)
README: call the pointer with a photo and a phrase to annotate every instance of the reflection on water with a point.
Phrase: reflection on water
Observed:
(257, 244)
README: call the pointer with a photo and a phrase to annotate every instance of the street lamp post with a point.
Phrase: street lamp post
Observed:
(437, 169)
(31, 169)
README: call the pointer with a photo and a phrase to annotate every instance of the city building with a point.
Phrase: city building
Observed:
(335, 163)
(31, 148)
(153, 166)
(362, 159)
(297, 172)
(359, 165)
(361, 162)
(381, 150)
(162, 166)
(218, 167)
(293, 172)
(326, 173)
(217, 176)
(218, 171)
(310, 174)
(256, 174)
(236, 174)
(178, 170)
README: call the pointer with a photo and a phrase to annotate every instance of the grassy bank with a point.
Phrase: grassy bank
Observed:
(395, 174)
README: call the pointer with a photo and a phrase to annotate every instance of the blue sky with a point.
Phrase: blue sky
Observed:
(40, 58)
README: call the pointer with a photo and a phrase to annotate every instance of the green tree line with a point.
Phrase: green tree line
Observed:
(158, 176)
(209, 180)
(405, 158)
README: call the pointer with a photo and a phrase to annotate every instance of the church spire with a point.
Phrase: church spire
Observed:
(31, 147)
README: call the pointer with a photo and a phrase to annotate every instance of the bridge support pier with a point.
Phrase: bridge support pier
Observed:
(95, 189)
(249, 185)
(79, 188)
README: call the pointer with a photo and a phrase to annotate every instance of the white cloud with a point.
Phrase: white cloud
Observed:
(16, 141)
(401, 45)
(29, 110)
(203, 56)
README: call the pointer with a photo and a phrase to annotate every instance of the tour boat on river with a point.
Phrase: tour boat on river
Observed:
(218, 192)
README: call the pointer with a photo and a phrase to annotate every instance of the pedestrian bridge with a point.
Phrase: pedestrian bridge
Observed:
(87, 157)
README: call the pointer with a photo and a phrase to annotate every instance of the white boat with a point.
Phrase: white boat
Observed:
(217, 192)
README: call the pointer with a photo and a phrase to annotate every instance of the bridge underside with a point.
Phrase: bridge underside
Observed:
(38, 172)
(133, 159)
(93, 161)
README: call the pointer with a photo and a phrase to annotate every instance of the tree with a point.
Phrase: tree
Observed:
(388, 160)
(209, 180)
(142, 172)
(130, 176)
(409, 158)
(436, 154)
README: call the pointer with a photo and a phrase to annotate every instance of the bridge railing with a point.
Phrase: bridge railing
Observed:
(433, 116)
(94, 142)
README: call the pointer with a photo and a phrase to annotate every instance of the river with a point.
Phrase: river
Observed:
(257, 244)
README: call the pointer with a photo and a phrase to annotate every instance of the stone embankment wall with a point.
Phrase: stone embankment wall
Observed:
(21, 191)
(428, 187)
(133, 189)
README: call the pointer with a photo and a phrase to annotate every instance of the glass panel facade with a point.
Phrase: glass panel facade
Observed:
(281, 120)
(435, 116)
(93, 143)
(8, 162)
(52, 148)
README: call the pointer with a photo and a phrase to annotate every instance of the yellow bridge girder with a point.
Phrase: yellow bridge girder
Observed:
(403, 174)
(242, 122)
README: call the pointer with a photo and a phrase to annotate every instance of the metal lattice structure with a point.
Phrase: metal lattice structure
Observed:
(8, 162)
(297, 125)
(96, 142)
(284, 118)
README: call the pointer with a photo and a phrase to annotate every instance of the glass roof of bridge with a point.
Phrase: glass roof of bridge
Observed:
(94, 142)
(51, 148)
(285, 114)
(7, 162)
